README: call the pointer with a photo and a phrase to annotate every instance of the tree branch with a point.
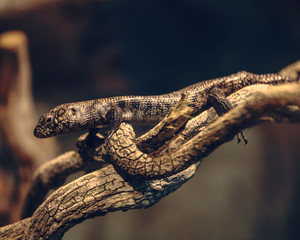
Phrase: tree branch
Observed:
(113, 187)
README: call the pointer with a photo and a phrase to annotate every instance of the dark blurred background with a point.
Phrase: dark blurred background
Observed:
(89, 49)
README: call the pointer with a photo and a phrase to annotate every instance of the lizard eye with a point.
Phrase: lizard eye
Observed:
(49, 119)
(73, 110)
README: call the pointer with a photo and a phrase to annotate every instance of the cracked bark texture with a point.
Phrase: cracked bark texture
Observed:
(120, 186)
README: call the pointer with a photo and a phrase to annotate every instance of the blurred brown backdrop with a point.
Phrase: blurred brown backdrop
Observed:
(89, 49)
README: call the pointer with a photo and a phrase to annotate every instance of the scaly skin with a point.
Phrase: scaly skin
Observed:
(76, 116)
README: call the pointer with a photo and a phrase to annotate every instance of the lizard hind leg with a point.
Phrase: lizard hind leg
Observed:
(115, 118)
(221, 104)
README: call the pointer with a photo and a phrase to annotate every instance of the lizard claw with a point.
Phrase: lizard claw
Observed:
(243, 137)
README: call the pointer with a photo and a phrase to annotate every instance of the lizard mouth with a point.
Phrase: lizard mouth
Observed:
(41, 133)
(38, 132)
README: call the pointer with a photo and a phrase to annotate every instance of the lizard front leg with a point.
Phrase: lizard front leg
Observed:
(221, 104)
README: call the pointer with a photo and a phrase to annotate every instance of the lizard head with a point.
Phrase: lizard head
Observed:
(69, 117)
(56, 122)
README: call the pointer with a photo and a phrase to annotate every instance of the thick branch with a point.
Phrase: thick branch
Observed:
(96, 194)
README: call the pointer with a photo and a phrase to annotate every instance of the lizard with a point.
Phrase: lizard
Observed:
(151, 109)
